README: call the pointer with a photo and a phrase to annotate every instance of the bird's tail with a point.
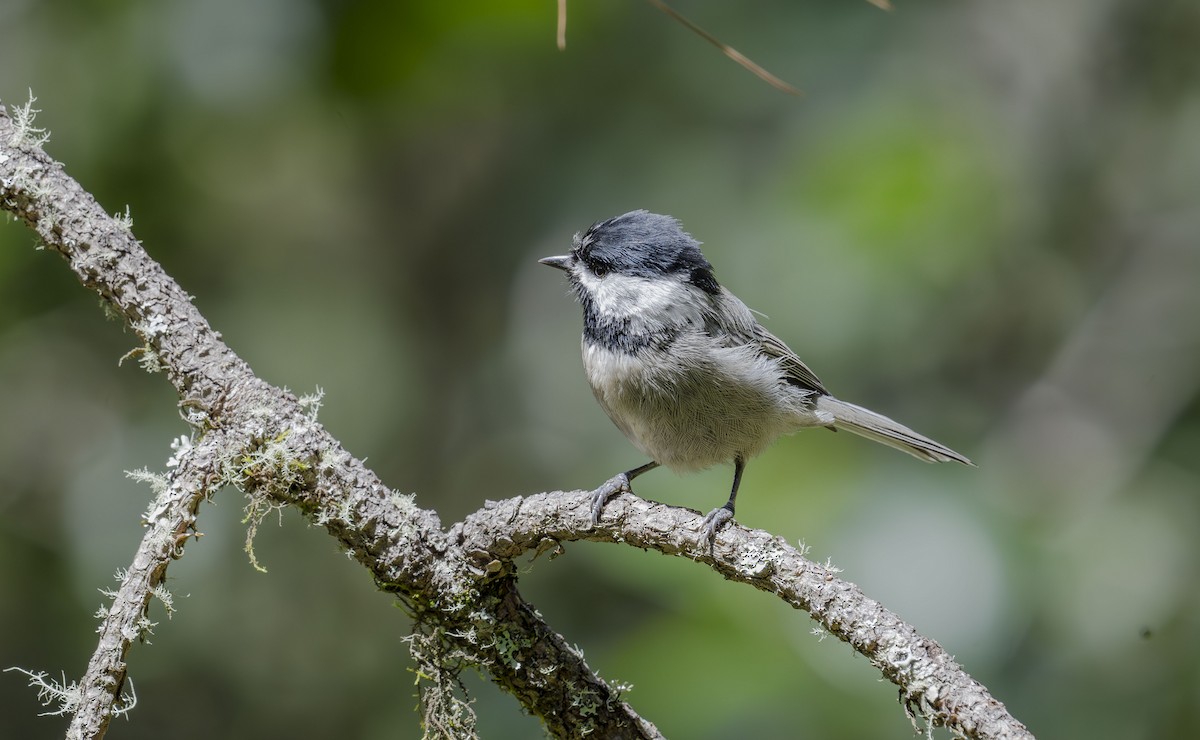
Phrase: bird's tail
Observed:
(877, 427)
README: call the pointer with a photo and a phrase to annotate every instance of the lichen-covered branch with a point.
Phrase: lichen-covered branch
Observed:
(931, 683)
(459, 585)
(169, 523)
(269, 445)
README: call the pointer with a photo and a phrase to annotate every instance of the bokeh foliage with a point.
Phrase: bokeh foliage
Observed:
(982, 219)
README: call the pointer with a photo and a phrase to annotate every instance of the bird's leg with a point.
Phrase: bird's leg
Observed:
(615, 485)
(718, 517)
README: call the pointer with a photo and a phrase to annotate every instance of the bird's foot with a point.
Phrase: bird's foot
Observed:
(614, 486)
(716, 519)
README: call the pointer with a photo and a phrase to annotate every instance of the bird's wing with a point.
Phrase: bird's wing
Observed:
(735, 321)
(795, 371)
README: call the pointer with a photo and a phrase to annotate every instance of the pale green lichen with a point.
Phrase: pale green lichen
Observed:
(257, 509)
(510, 648)
(158, 483)
(147, 358)
(67, 696)
(124, 220)
(25, 134)
(446, 706)
(311, 403)
(161, 593)
(272, 465)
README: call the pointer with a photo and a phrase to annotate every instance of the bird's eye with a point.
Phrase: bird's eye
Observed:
(598, 268)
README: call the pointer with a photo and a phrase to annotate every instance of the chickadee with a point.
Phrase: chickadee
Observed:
(685, 371)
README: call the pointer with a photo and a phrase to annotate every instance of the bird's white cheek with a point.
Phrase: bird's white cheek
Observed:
(666, 300)
(619, 295)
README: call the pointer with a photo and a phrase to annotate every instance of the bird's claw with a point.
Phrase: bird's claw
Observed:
(614, 486)
(716, 519)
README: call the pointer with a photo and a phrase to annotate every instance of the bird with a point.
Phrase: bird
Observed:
(684, 369)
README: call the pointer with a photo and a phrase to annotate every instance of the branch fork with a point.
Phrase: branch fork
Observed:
(459, 583)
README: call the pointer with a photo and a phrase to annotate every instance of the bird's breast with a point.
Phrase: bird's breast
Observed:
(691, 405)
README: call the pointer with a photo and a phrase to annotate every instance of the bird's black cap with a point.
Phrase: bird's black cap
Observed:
(644, 244)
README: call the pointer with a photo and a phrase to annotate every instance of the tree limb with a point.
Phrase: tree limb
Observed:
(931, 683)
(169, 521)
(459, 585)
(270, 447)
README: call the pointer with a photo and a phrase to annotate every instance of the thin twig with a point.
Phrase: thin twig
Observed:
(562, 24)
(727, 50)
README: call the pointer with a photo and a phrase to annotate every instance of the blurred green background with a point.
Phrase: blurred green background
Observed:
(982, 219)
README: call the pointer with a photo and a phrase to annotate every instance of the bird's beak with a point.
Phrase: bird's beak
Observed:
(562, 262)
